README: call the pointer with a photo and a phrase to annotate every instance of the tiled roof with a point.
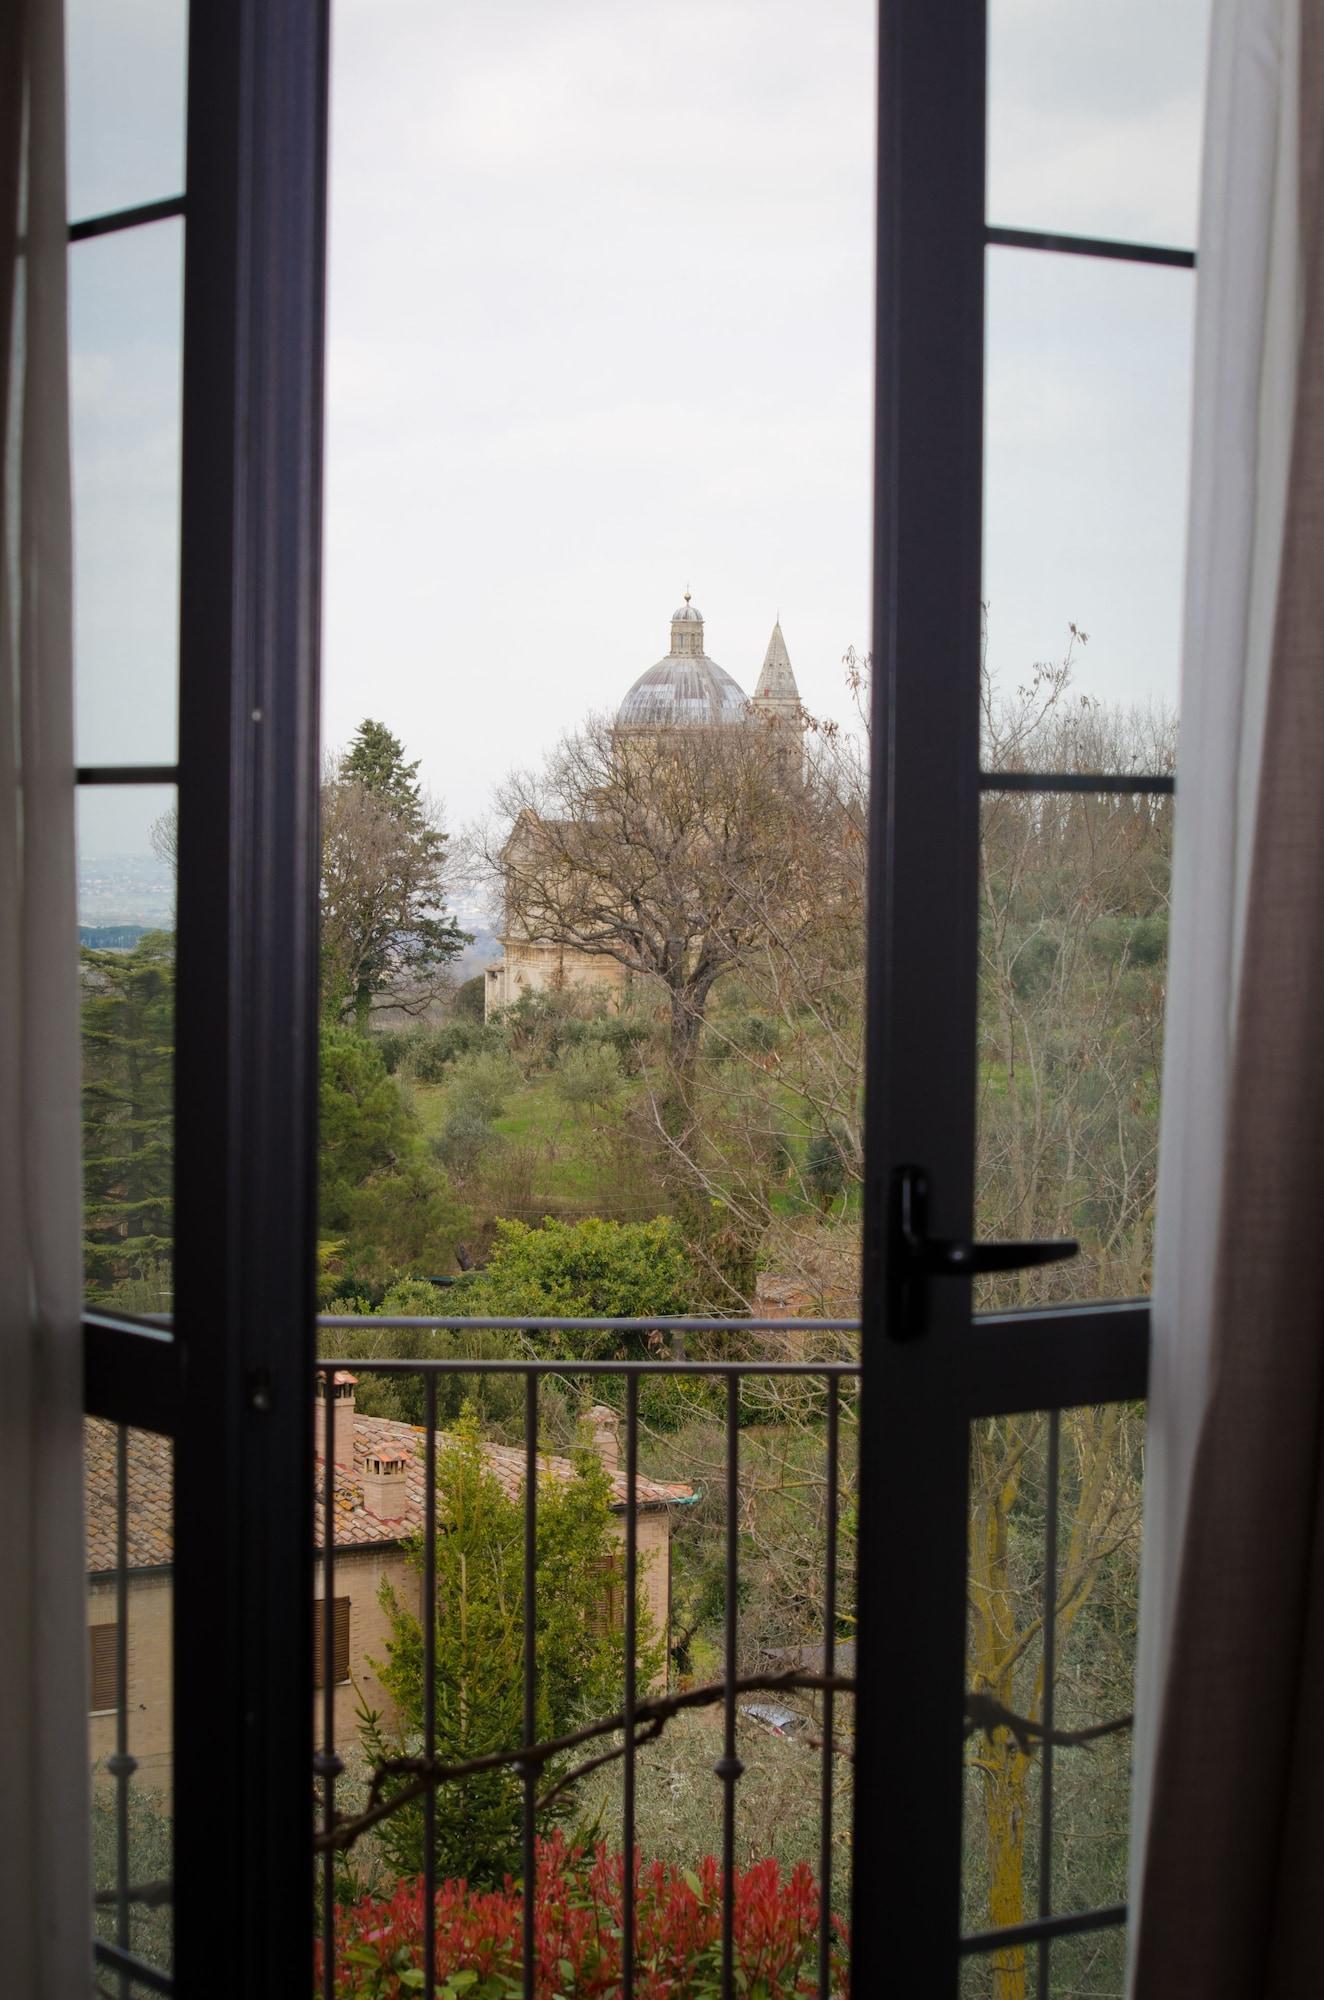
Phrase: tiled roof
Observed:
(150, 1507)
(356, 1527)
(151, 1500)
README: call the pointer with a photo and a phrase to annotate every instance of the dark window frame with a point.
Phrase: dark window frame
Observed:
(921, 1395)
(230, 1383)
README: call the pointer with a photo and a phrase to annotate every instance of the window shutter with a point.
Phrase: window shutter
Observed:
(104, 1692)
(609, 1614)
(339, 1639)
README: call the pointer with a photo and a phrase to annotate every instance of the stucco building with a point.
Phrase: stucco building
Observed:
(683, 690)
(378, 1484)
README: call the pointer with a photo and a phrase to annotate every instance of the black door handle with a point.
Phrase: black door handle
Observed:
(914, 1256)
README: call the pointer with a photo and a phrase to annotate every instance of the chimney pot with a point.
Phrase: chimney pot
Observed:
(606, 1429)
(343, 1388)
(384, 1484)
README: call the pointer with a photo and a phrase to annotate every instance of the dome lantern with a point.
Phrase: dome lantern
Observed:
(686, 690)
(687, 631)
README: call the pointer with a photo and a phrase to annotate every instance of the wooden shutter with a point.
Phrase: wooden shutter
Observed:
(339, 1639)
(608, 1615)
(104, 1689)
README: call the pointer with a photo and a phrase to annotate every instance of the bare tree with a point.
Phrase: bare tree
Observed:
(1073, 931)
(1073, 940)
(164, 837)
(663, 850)
(1073, 945)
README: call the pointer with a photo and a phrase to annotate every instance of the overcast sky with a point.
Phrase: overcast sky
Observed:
(600, 328)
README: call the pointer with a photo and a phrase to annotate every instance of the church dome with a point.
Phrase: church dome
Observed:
(686, 690)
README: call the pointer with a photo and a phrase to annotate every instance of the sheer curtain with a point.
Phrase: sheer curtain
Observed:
(1226, 1849)
(43, 1616)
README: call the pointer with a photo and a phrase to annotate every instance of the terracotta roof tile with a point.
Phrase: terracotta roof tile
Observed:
(150, 1540)
(356, 1527)
(150, 1509)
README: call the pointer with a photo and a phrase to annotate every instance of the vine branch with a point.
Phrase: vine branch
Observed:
(982, 1712)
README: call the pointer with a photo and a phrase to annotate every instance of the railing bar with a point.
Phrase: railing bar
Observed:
(572, 1369)
(124, 1764)
(660, 1323)
(1007, 1935)
(730, 1767)
(631, 1641)
(829, 1700)
(430, 1683)
(530, 1669)
(327, 1759)
(1049, 1705)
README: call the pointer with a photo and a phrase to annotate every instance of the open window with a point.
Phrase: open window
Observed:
(1016, 931)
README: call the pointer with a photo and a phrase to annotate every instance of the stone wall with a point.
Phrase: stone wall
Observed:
(359, 1575)
(541, 968)
(150, 1602)
(653, 1543)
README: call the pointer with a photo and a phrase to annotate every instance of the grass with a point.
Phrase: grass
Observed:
(571, 1170)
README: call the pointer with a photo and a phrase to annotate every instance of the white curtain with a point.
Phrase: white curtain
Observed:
(1245, 364)
(43, 1644)
(1240, 644)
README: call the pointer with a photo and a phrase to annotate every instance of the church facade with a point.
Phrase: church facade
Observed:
(683, 690)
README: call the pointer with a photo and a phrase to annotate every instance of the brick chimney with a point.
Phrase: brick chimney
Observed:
(605, 1426)
(384, 1483)
(344, 1417)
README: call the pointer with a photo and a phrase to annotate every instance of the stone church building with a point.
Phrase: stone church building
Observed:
(684, 690)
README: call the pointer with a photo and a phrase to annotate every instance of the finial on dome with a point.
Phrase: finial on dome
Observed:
(687, 593)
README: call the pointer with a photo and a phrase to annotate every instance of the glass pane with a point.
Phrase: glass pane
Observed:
(1004, 1664)
(126, 934)
(1087, 431)
(125, 307)
(1094, 117)
(130, 1551)
(1092, 1967)
(1073, 958)
(1011, 1975)
(1080, 1558)
(126, 77)
(1099, 1502)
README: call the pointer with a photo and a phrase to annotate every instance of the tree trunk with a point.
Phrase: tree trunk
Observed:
(1005, 1836)
(687, 1011)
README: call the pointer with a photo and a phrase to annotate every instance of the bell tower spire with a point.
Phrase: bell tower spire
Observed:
(776, 696)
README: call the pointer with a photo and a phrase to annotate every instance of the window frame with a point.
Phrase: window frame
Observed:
(921, 1394)
(229, 1381)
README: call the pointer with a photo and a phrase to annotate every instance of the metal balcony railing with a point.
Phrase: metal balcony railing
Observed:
(642, 1712)
(749, 1362)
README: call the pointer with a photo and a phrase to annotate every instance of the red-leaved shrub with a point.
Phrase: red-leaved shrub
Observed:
(578, 1914)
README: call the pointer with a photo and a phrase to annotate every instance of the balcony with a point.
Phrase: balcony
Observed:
(677, 1685)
